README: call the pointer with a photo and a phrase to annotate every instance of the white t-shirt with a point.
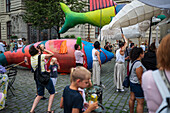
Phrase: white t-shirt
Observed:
(20, 45)
(119, 57)
(133, 77)
(2, 48)
(79, 56)
(143, 47)
(93, 54)
(83, 94)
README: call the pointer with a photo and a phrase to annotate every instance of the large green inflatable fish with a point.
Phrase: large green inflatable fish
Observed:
(92, 17)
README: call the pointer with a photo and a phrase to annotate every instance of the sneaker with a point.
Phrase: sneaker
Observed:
(117, 90)
(1, 97)
(122, 90)
(103, 86)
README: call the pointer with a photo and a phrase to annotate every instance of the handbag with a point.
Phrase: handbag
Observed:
(126, 82)
(42, 77)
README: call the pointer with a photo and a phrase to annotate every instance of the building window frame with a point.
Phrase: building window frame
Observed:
(8, 5)
(97, 32)
(9, 29)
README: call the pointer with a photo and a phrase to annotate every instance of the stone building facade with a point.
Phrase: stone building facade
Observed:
(11, 22)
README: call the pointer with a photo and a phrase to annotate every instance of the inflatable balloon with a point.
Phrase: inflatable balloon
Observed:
(65, 59)
(93, 17)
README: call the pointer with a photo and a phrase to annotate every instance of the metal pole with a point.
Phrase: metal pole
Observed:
(156, 43)
(150, 32)
(100, 22)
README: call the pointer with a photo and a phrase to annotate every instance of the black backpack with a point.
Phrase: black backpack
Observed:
(42, 78)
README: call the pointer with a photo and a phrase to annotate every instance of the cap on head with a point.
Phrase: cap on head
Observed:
(19, 39)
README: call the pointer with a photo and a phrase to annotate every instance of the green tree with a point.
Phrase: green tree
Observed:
(45, 14)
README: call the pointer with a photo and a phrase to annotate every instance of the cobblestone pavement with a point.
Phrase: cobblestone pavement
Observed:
(25, 91)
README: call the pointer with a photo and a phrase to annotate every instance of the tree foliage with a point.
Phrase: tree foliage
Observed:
(44, 14)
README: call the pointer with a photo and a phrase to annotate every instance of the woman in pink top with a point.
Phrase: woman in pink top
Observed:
(151, 92)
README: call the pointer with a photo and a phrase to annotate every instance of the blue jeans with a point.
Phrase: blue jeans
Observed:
(49, 87)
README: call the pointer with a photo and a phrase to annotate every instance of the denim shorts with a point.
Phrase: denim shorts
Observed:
(49, 87)
(137, 90)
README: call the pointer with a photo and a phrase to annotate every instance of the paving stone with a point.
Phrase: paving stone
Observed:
(117, 111)
(107, 105)
(112, 108)
(109, 111)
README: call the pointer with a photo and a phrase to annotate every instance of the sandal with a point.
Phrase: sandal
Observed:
(51, 111)
(32, 112)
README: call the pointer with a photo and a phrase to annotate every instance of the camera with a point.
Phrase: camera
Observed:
(39, 47)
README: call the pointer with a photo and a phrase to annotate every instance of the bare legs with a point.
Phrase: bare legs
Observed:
(50, 102)
(132, 102)
(139, 107)
(140, 102)
(37, 99)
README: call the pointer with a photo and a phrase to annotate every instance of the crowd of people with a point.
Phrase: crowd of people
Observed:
(138, 59)
(142, 84)
(141, 64)
(13, 45)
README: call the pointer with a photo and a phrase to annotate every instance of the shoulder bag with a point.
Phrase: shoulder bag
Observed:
(126, 82)
(42, 77)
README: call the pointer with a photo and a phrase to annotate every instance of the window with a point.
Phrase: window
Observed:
(8, 5)
(32, 34)
(97, 32)
(8, 30)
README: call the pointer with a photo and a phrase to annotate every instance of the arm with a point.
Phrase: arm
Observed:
(98, 56)
(61, 103)
(127, 58)
(49, 54)
(90, 83)
(139, 72)
(49, 69)
(89, 109)
(58, 64)
(124, 47)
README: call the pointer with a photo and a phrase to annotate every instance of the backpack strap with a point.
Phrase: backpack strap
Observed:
(39, 63)
(159, 77)
(132, 67)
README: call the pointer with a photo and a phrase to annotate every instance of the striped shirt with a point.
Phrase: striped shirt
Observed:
(34, 62)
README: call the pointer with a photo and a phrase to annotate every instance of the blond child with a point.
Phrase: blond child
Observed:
(54, 65)
(72, 100)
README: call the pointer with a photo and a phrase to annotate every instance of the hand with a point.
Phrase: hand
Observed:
(86, 105)
(93, 106)
(100, 50)
(123, 35)
(127, 58)
(42, 47)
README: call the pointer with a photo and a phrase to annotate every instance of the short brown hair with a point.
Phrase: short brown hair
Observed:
(79, 73)
(163, 53)
(33, 51)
